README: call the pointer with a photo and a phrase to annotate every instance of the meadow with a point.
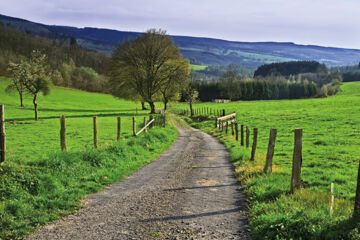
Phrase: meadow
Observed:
(195, 67)
(331, 139)
(38, 182)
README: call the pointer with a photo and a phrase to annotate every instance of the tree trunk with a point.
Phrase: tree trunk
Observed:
(21, 100)
(35, 107)
(143, 106)
(152, 107)
(165, 105)
(191, 110)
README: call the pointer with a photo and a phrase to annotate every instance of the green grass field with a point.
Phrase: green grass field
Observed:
(331, 153)
(197, 67)
(39, 183)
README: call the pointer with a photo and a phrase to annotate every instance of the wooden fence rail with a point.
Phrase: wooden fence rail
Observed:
(225, 120)
(145, 127)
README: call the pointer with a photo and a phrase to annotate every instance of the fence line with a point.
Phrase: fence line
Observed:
(295, 182)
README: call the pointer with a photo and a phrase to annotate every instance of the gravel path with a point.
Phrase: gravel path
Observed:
(189, 192)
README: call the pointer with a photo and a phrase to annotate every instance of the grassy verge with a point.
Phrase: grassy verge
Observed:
(330, 154)
(38, 183)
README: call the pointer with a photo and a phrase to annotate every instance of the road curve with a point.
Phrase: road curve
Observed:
(189, 192)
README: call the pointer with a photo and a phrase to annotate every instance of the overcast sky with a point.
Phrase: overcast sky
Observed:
(319, 22)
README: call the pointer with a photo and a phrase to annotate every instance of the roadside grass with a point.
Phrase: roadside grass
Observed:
(331, 140)
(39, 183)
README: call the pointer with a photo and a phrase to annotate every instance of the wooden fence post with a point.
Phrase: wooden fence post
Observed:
(95, 131)
(222, 125)
(145, 125)
(357, 197)
(2, 134)
(247, 137)
(297, 161)
(151, 118)
(236, 131)
(242, 135)
(332, 199)
(232, 129)
(270, 151)
(253, 150)
(226, 127)
(62, 133)
(216, 123)
(118, 128)
(134, 126)
(223, 112)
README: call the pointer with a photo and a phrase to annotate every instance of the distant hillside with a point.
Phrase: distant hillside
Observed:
(71, 65)
(203, 51)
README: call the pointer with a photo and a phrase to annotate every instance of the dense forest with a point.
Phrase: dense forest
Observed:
(349, 73)
(71, 64)
(290, 68)
(308, 79)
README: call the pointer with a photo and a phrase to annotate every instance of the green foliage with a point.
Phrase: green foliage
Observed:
(147, 65)
(330, 154)
(37, 73)
(17, 82)
(351, 76)
(191, 95)
(38, 183)
(15, 44)
(252, 89)
(61, 57)
(231, 86)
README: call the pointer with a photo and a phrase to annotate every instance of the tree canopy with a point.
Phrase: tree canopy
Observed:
(141, 68)
(32, 75)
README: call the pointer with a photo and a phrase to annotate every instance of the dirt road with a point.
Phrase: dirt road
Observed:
(189, 192)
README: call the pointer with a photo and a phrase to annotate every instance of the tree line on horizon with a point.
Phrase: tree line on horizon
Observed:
(288, 80)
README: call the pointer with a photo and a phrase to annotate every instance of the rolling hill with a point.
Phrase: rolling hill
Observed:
(202, 51)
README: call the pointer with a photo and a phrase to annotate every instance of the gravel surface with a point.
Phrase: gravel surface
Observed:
(189, 192)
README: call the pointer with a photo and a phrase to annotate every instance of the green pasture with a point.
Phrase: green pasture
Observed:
(331, 153)
(39, 183)
(195, 67)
